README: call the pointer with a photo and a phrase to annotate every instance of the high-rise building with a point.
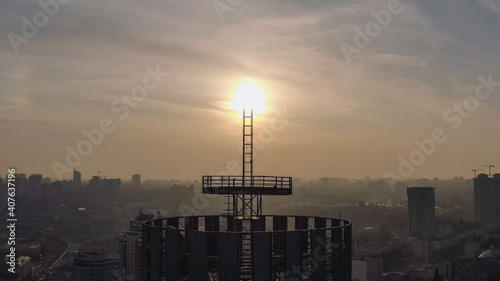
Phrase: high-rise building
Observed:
(21, 183)
(77, 177)
(111, 185)
(136, 180)
(244, 244)
(421, 203)
(130, 249)
(487, 198)
(34, 186)
(95, 184)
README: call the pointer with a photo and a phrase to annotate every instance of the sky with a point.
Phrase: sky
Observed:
(354, 88)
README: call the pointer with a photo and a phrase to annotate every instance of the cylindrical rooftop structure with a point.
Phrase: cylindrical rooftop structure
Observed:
(273, 248)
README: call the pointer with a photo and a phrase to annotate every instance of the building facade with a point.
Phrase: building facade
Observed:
(130, 249)
(77, 177)
(487, 198)
(265, 248)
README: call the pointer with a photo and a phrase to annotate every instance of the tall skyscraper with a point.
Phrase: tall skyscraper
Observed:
(487, 198)
(77, 177)
(421, 203)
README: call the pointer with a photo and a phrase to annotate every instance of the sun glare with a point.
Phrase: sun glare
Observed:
(248, 96)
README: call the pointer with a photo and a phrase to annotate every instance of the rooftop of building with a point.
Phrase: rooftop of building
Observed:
(144, 216)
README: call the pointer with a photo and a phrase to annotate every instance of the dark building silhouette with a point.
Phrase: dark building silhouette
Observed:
(487, 198)
(136, 180)
(77, 177)
(421, 203)
(35, 180)
(95, 184)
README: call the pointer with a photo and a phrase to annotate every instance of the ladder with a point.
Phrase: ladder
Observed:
(247, 147)
(245, 201)
(246, 209)
(246, 251)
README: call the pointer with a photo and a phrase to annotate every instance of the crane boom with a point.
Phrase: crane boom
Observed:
(475, 170)
(489, 168)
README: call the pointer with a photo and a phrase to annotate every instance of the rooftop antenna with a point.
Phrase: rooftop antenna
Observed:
(244, 193)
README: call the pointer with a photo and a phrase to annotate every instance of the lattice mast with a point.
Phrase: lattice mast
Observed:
(244, 193)
(247, 205)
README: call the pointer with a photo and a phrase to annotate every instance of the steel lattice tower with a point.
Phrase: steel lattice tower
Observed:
(244, 193)
(244, 244)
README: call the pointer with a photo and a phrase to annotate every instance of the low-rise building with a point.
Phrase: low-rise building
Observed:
(93, 266)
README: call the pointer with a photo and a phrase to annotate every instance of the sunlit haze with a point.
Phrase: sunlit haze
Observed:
(250, 97)
(352, 88)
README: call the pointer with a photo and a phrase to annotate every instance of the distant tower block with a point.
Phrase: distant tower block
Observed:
(136, 179)
(487, 198)
(244, 244)
(244, 193)
(77, 177)
(421, 211)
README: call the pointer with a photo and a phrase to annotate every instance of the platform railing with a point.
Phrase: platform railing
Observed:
(225, 182)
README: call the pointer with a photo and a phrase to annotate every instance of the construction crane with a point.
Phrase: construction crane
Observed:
(489, 168)
(475, 170)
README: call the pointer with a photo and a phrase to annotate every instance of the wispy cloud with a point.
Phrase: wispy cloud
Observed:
(395, 90)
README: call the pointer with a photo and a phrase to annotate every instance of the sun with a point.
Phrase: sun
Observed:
(249, 96)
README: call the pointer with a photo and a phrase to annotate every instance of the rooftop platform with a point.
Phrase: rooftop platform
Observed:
(256, 185)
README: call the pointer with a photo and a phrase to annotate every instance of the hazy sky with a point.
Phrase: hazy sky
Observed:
(337, 117)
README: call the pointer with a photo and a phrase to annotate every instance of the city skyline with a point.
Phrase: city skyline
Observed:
(354, 89)
(121, 120)
(129, 178)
